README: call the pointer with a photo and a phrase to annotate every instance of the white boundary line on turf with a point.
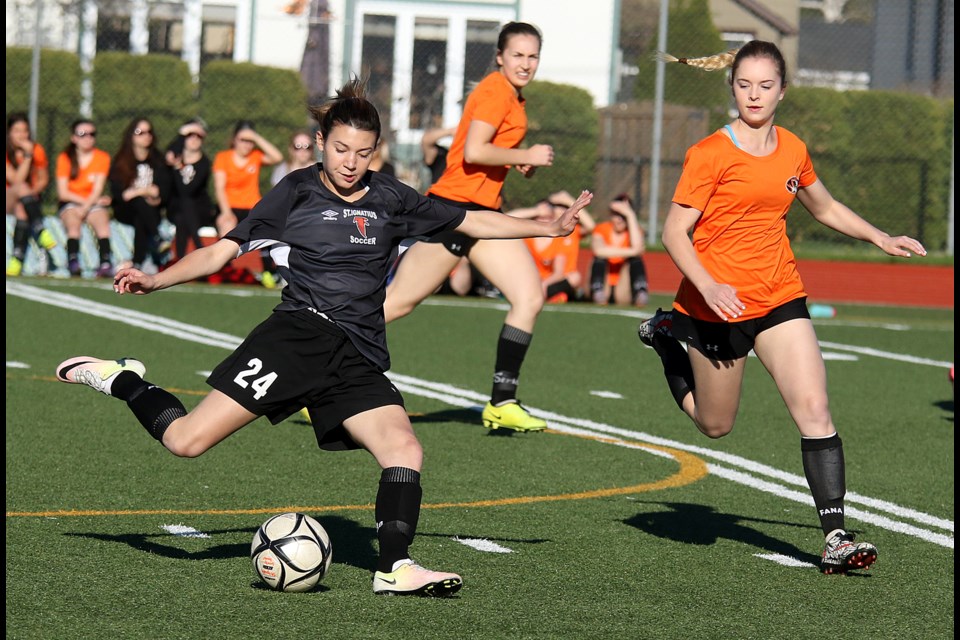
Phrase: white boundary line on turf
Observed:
(251, 291)
(471, 399)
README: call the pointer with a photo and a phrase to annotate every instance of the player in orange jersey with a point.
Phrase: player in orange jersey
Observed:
(618, 246)
(82, 171)
(485, 147)
(28, 174)
(557, 259)
(726, 232)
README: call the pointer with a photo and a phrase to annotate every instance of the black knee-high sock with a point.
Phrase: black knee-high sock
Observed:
(511, 350)
(824, 468)
(397, 512)
(104, 246)
(31, 204)
(155, 408)
(73, 248)
(676, 367)
(21, 236)
(598, 275)
(563, 286)
(638, 275)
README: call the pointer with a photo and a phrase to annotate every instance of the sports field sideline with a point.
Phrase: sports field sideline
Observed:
(621, 520)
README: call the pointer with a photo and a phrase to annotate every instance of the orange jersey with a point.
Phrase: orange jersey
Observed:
(494, 101)
(606, 231)
(567, 247)
(82, 185)
(243, 183)
(741, 238)
(543, 256)
(40, 161)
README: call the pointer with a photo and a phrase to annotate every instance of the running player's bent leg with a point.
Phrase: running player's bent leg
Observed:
(423, 268)
(714, 403)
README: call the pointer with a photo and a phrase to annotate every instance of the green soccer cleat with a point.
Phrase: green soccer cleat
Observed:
(511, 416)
(411, 579)
(14, 267)
(268, 280)
(97, 373)
(46, 240)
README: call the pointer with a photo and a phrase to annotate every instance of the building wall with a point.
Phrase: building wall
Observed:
(733, 16)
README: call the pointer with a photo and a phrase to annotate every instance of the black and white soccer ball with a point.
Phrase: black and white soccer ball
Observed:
(291, 552)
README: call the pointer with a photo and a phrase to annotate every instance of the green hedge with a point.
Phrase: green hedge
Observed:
(562, 116)
(154, 86)
(158, 87)
(59, 93)
(886, 155)
(275, 99)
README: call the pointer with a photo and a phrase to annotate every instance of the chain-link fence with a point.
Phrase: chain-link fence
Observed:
(871, 92)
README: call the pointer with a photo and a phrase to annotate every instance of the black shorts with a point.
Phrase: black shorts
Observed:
(733, 340)
(297, 359)
(459, 244)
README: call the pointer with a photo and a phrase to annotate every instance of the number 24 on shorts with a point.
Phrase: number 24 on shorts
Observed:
(261, 384)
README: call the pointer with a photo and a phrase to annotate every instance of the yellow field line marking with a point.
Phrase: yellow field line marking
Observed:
(691, 469)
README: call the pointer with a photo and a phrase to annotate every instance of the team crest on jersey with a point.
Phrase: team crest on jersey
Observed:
(361, 218)
(361, 226)
(793, 184)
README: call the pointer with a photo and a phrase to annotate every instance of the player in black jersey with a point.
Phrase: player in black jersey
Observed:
(331, 228)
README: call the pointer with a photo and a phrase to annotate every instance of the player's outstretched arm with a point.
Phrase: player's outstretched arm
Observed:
(196, 264)
(495, 225)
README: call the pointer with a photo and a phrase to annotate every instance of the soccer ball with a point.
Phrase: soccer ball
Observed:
(291, 552)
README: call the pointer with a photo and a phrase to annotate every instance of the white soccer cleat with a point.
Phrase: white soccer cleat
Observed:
(97, 373)
(411, 579)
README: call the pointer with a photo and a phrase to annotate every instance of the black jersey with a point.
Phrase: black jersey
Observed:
(336, 254)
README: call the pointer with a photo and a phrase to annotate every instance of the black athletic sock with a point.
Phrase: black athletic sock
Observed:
(31, 204)
(598, 276)
(638, 275)
(824, 468)
(397, 512)
(676, 366)
(21, 236)
(104, 246)
(73, 248)
(511, 350)
(563, 286)
(155, 408)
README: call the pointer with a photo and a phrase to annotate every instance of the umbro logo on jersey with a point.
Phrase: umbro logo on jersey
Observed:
(330, 215)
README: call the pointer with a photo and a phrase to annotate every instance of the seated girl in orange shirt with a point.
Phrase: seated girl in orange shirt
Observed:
(618, 244)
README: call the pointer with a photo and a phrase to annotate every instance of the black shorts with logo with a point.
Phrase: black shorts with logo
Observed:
(459, 244)
(733, 340)
(297, 359)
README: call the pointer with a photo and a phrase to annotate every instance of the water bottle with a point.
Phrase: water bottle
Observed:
(822, 311)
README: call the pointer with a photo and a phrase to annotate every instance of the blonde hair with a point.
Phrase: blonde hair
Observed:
(733, 58)
(707, 63)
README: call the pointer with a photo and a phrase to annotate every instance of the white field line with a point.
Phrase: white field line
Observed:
(484, 545)
(471, 399)
(183, 531)
(786, 561)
